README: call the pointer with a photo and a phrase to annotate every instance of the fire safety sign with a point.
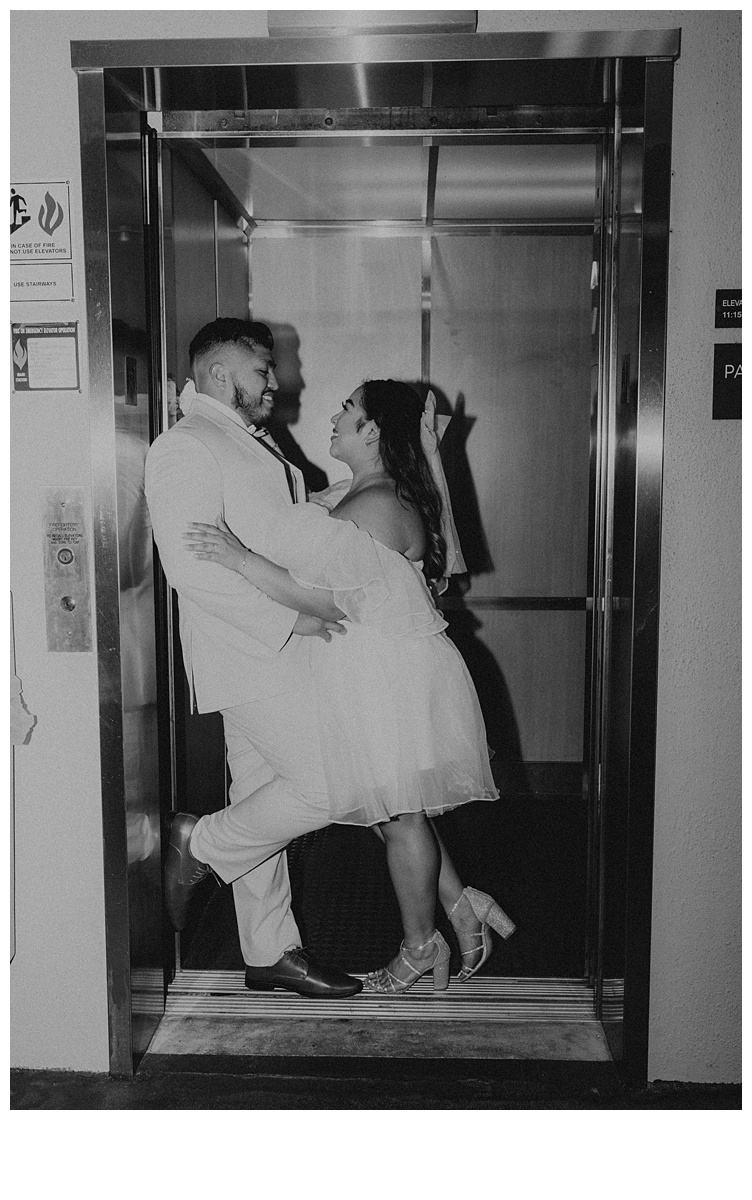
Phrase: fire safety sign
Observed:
(40, 227)
(45, 357)
(41, 266)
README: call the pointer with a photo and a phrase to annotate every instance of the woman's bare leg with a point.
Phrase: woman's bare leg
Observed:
(414, 861)
(458, 908)
(450, 886)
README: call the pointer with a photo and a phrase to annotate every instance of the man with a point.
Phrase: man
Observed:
(245, 655)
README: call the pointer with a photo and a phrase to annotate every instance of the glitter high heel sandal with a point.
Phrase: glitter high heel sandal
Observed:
(386, 982)
(491, 916)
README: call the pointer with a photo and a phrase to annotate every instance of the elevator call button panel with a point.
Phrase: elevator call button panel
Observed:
(66, 570)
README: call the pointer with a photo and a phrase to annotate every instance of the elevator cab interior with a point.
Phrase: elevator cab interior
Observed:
(472, 227)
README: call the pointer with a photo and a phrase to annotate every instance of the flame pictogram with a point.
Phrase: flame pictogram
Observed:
(19, 354)
(51, 214)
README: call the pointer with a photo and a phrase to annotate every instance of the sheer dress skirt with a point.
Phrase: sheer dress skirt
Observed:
(401, 726)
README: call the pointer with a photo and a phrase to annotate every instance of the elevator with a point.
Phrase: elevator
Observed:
(478, 215)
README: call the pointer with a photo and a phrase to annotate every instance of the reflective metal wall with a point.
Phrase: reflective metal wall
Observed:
(131, 400)
(498, 323)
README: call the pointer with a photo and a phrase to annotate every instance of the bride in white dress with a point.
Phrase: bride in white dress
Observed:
(402, 733)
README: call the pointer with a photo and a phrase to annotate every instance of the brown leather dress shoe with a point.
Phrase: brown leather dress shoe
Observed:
(183, 872)
(297, 972)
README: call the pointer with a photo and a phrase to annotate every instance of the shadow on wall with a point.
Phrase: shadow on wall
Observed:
(464, 626)
(287, 403)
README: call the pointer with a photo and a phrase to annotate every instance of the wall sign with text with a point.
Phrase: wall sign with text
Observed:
(45, 357)
(727, 382)
(728, 308)
(41, 262)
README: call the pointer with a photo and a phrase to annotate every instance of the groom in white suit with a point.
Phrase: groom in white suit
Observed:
(245, 655)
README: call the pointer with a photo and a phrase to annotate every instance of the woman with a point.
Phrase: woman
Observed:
(402, 732)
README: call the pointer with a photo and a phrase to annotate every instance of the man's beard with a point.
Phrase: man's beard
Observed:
(252, 411)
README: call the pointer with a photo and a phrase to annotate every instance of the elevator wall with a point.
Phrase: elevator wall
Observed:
(516, 375)
(58, 977)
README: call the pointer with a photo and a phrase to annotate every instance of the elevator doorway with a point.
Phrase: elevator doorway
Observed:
(375, 288)
(496, 253)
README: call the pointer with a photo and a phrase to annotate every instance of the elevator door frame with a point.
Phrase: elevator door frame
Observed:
(659, 49)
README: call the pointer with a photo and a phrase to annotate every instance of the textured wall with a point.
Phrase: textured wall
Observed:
(696, 960)
(58, 976)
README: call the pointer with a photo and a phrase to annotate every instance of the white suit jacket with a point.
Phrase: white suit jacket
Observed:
(236, 642)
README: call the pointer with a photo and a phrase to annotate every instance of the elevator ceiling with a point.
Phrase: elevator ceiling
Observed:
(388, 182)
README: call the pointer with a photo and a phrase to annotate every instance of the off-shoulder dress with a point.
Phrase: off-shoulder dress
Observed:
(401, 726)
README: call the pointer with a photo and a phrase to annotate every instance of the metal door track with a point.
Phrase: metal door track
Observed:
(486, 999)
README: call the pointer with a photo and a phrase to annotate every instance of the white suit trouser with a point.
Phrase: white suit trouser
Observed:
(273, 743)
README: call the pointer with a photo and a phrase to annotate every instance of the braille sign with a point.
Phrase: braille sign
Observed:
(727, 382)
(728, 308)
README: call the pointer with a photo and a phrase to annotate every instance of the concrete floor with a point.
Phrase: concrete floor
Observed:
(325, 1084)
(348, 1038)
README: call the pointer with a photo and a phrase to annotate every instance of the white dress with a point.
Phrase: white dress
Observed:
(401, 726)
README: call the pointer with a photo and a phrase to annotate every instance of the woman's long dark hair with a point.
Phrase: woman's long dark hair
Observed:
(397, 410)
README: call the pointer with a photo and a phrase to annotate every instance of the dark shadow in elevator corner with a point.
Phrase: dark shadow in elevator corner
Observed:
(464, 626)
(287, 403)
(500, 847)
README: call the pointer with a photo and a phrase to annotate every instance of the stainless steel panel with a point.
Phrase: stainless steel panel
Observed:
(307, 22)
(165, 52)
(352, 188)
(518, 603)
(231, 255)
(510, 227)
(538, 84)
(350, 309)
(66, 569)
(511, 358)
(529, 670)
(194, 301)
(104, 506)
(651, 382)
(375, 122)
(330, 182)
(531, 182)
(131, 391)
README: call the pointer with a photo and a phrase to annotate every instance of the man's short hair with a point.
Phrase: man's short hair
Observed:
(230, 330)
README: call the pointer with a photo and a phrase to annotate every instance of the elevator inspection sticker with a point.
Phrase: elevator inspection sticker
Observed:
(45, 357)
(40, 228)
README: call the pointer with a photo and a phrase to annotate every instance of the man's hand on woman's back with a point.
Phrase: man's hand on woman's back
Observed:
(307, 626)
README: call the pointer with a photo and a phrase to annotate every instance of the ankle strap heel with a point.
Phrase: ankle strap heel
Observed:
(388, 982)
(489, 912)
(441, 964)
(491, 916)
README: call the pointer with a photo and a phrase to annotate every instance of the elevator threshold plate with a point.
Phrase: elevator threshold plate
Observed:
(212, 1013)
(486, 998)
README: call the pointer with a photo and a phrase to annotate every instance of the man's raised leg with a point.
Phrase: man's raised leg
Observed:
(247, 837)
